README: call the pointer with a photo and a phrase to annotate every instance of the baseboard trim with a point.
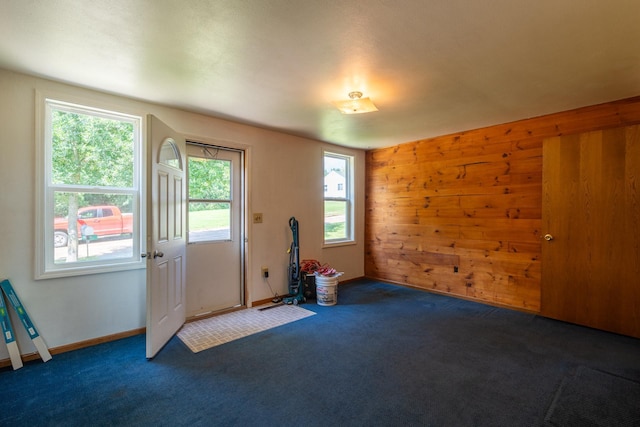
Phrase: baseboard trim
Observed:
(76, 346)
(435, 291)
(269, 300)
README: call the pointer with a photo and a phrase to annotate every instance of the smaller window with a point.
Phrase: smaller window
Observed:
(210, 199)
(169, 154)
(338, 198)
(90, 213)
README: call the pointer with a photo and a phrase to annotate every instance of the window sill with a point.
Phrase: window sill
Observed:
(87, 270)
(327, 245)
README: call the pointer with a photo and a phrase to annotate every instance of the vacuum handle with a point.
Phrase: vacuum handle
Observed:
(293, 224)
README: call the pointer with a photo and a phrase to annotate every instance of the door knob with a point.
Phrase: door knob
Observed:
(145, 254)
(157, 254)
(548, 237)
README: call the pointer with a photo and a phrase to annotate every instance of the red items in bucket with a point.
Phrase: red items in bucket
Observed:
(309, 266)
(312, 266)
(325, 270)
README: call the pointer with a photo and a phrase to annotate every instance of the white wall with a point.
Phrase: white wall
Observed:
(285, 179)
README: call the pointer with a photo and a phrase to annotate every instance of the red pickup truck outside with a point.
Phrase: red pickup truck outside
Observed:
(103, 220)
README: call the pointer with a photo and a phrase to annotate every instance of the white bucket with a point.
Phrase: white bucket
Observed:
(327, 289)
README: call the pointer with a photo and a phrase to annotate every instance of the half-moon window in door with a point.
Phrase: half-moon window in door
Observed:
(169, 154)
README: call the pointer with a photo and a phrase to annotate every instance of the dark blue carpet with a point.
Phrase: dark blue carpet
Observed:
(591, 398)
(384, 356)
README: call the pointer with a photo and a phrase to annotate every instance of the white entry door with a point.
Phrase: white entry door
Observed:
(166, 235)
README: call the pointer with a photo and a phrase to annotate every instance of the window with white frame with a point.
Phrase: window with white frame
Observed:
(338, 198)
(210, 201)
(89, 191)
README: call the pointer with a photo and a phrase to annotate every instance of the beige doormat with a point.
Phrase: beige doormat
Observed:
(206, 333)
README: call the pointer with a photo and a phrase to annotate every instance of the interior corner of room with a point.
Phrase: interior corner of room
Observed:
(466, 182)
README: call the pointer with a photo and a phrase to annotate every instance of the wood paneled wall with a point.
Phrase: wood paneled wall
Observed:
(461, 214)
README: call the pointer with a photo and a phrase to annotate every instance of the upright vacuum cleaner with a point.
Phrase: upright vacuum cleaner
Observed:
(296, 288)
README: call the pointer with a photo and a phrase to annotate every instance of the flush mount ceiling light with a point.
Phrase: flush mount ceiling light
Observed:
(356, 105)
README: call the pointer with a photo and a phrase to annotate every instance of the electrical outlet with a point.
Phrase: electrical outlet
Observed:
(257, 218)
(265, 272)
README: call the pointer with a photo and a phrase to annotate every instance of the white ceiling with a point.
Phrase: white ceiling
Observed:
(432, 67)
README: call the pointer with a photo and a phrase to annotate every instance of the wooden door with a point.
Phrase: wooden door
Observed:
(591, 217)
(166, 241)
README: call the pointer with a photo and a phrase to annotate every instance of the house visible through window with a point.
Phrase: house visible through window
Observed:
(338, 201)
(90, 207)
